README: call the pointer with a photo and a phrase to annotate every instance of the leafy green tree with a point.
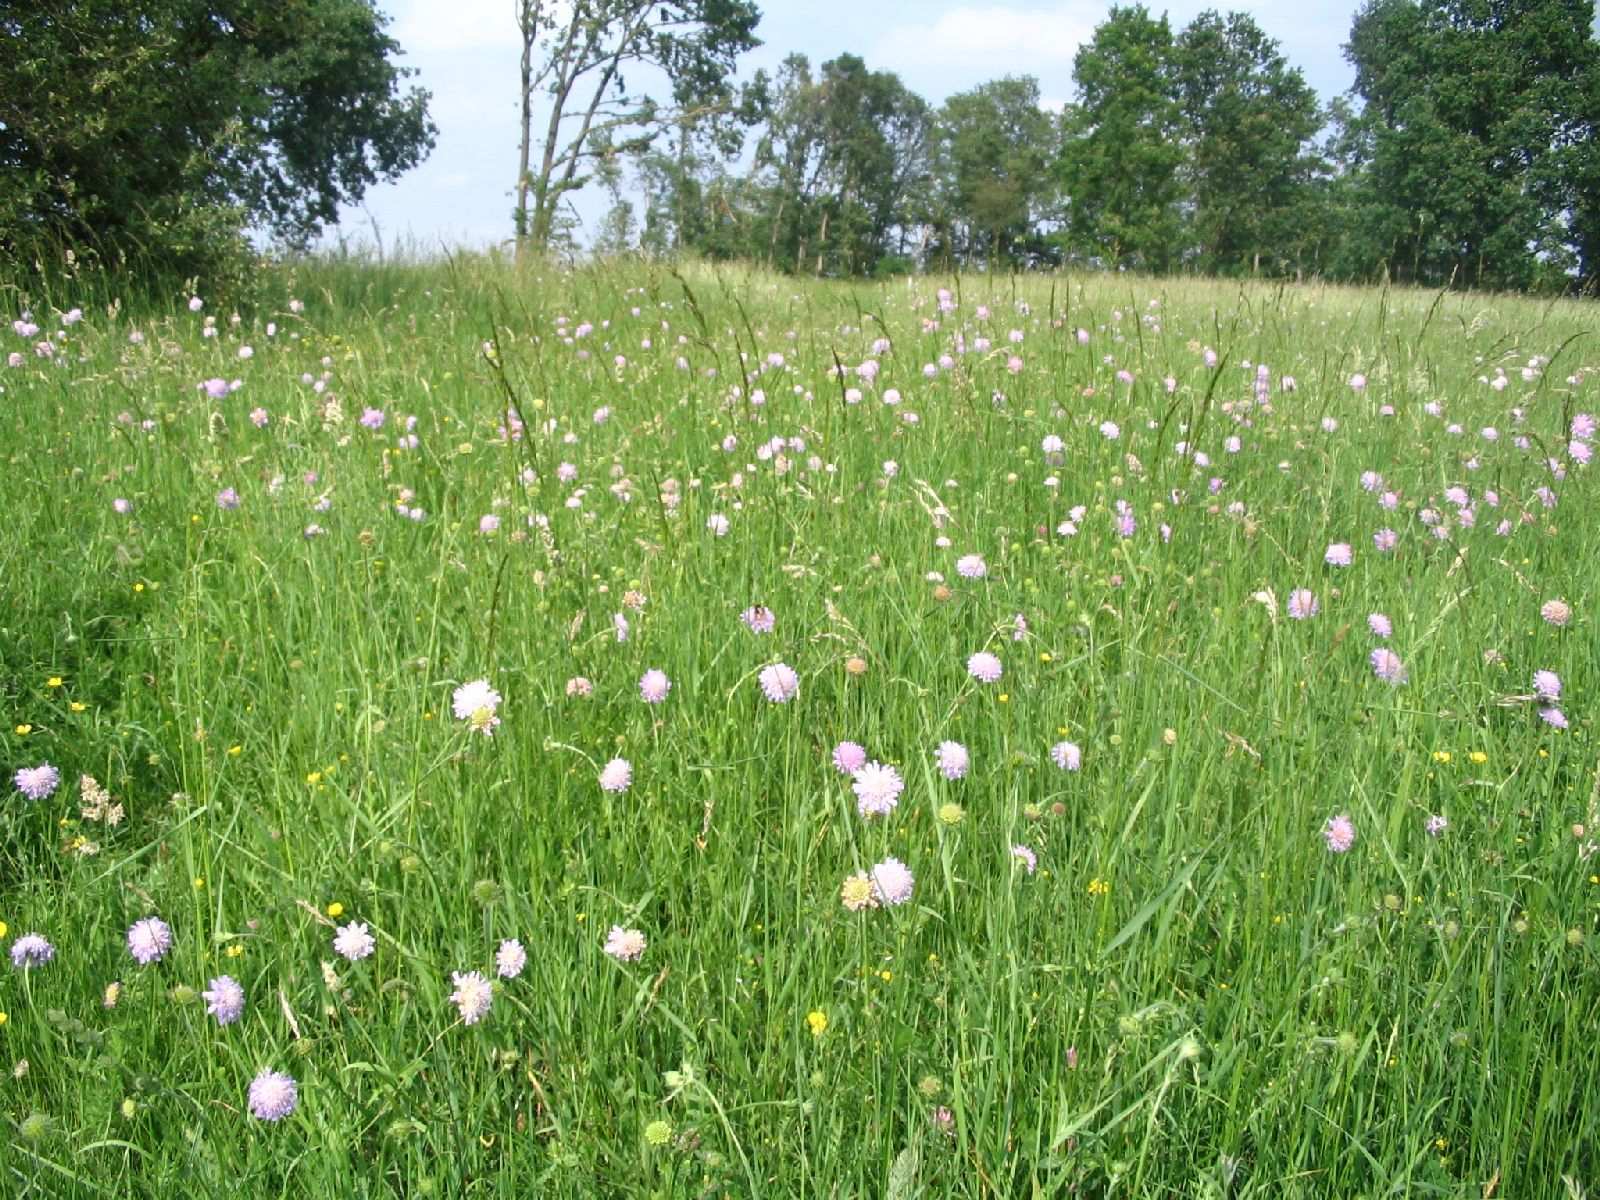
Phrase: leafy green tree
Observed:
(576, 53)
(1248, 118)
(1122, 148)
(994, 185)
(162, 128)
(1480, 124)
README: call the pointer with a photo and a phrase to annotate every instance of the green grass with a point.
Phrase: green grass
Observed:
(1191, 997)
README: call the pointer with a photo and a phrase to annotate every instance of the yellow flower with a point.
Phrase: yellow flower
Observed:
(817, 1020)
(235, 950)
(1004, 698)
(77, 706)
(1441, 756)
(1099, 887)
(53, 682)
(951, 813)
(138, 587)
(1044, 657)
(314, 777)
(234, 750)
(24, 730)
(3, 928)
(336, 909)
(199, 882)
(886, 975)
(3, 1018)
(1478, 758)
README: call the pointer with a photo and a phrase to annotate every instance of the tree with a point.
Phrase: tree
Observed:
(163, 127)
(575, 53)
(1122, 148)
(1247, 117)
(996, 147)
(1481, 123)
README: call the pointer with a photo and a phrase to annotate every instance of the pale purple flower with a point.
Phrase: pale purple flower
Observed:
(1067, 756)
(149, 940)
(619, 626)
(1386, 665)
(717, 524)
(984, 667)
(373, 418)
(472, 997)
(37, 783)
(273, 1096)
(1385, 540)
(510, 959)
(779, 683)
(654, 686)
(1358, 381)
(353, 942)
(216, 389)
(849, 757)
(877, 788)
(1436, 824)
(952, 759)
(1556, 612)
(1339, 833)
(1553, 717)
(1547, 685)
(122, 506)
(616, 775)
(625, 945)
(224, 1000)
(1338, 554)
(1380, 625)
(488, 523)
(758, 618)
(31, 950)
(1302, 604)
(892, 882)
(476, 702)
(971, 566)
(227, 499)
(1025, 856)
(259, 417)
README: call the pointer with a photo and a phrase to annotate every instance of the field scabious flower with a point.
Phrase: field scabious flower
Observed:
(273, 1096)
(1302, 604)
(877, 788)
(1380, 625)
(224, 1000)
(472, 997)
(758, 618)
(1338, 554)
(31, 950)
(227, 499)
(353, 942)
(654, 686)
(892, 882)
(1067, 756)
(1556, 612)
(477, 702)
(510, 959)
(625, 945)
(37, 783)
(1386, 665)
(952, 759)
(1436, 824)
(1547, 685)
(149, 940)
(616, 775)
(971, 566)
(779, 683)
(1339, 833)
(1553, 717)
(855, 893)
(849, 757)
(984, 667)
(1026, 857)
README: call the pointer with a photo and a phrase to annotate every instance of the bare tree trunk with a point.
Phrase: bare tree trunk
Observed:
(528, 18)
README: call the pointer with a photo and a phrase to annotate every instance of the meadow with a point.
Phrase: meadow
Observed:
(618, 731)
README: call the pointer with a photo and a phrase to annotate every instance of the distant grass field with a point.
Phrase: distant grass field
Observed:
(1219, 891)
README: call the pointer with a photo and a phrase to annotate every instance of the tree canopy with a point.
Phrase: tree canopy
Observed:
(163, 128)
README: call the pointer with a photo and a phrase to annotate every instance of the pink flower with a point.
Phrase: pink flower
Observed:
(877, 788)
(1338, 555)
(984, 667)
(1302, 604)
(892, 882)
(654, 686)
(779, 683)
(1556, 612)
(1547, 685)
(616, 775)
(353, 942)
(625, 945)
(952, 759)
(1380, 625)
(472, 997)
(1386, 665)
(971, 566)
(1339, 833)
(1026, 857)
(849, 757)
(758, 619)
(1067, 756)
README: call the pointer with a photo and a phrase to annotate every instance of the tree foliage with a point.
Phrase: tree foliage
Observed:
(162, 128)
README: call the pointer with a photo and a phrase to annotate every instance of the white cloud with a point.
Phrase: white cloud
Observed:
(424, 27)
(988, 40)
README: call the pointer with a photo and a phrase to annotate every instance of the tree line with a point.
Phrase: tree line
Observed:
(1466, 151)
(158, 132)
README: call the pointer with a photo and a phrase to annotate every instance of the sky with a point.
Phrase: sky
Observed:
(466, 54)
